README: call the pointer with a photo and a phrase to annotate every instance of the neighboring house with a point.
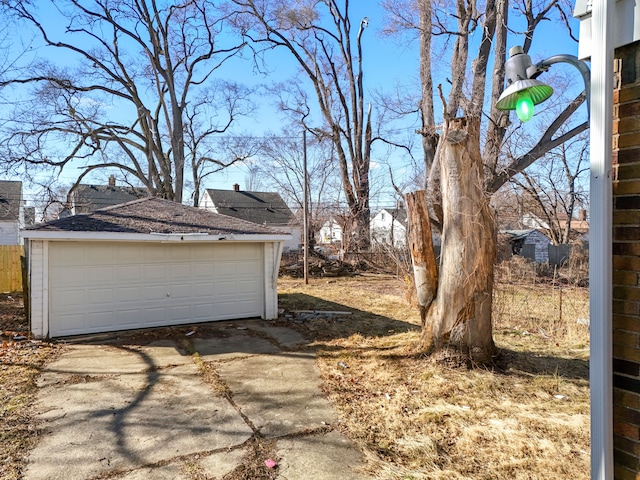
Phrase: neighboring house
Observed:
(263, 208)
(579, 226)
(531, 244)
(389, 227)
(330, 232)
(87, 198)
(11, 212)
(532, 221)
(149, 263)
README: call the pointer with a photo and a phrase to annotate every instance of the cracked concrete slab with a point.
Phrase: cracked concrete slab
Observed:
(145, 411)
(218, 464)
(316, 456)
(236, 344)
(130, 420)
(165, 472)
(279, 393)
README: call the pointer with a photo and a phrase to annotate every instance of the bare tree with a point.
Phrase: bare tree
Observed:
(280, 167)
(555, 189)
(124, 101)
(464, 162)
(319, 36)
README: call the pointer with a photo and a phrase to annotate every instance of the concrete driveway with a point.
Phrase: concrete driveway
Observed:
(214, 404)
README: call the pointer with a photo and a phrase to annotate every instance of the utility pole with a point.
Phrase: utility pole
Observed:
(305, 209)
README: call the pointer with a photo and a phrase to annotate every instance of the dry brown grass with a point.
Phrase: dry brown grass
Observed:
(416, 419)
(20, 364)
(413, 418)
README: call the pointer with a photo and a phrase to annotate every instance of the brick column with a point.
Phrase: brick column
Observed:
(626, 263)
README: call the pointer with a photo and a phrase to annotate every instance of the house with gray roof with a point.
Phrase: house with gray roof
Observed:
(264, 208)
(149, 263)
(11, 212)
(86, 198)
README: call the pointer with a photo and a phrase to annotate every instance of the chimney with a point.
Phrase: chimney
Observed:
(236, 187)
(112, 180)
(582, 215)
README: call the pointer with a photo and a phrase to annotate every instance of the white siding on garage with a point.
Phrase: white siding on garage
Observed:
(106, 286)
(38, 296)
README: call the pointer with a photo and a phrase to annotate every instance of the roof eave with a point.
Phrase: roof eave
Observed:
(151, 237)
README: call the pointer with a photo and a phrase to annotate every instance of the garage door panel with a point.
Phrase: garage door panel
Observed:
(127, 272)
(96, 287)
(154, 272)
(153, 292)
(133, 254)
(98, 296)
(68, 276)
(180, 271)
(237, 287)
(154, 254)
(202, 290)
(180, 291)
(97, 274)
(245, 268)
(66, 299)
(127, 294)
(65, 256)
(203, 269)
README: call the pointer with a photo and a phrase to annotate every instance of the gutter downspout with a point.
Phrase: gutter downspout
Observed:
(600, 241)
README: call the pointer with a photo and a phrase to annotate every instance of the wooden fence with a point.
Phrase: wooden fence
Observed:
(10, 268)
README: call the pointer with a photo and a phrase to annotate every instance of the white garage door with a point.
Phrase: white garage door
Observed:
(99, 287)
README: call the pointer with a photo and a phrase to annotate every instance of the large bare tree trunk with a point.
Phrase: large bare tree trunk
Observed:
(459, 316)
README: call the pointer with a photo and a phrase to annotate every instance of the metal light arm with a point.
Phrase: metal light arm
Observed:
(535, 70)
(524, 90)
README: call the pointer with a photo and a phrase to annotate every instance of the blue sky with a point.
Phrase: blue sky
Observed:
(389, 63)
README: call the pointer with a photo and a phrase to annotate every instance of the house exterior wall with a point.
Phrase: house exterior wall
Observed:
(293, 244)
(9, 233)
(330, 232)
(207, 203)
(541, 245)
(386, 230)
(626, 263)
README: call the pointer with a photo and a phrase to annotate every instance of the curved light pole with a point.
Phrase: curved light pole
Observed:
(522, 93)
(524, 90)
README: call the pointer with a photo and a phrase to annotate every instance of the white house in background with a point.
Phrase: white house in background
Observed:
(532, 221)
(389, 227)
(330, 232)
(263, 208)
(531, 244)
(11, 212)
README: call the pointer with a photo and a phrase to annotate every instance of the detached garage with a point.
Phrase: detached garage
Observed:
(149, 263)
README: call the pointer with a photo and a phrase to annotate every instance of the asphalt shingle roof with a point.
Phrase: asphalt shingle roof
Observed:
(10, 197)
(94, 197)
(258, 207)
(155, 215)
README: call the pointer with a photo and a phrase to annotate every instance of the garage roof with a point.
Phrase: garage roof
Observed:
(152, 216)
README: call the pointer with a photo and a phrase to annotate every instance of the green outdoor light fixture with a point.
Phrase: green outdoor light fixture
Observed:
(523, 90)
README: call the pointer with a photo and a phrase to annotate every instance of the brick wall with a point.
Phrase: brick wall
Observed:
(626, 263)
